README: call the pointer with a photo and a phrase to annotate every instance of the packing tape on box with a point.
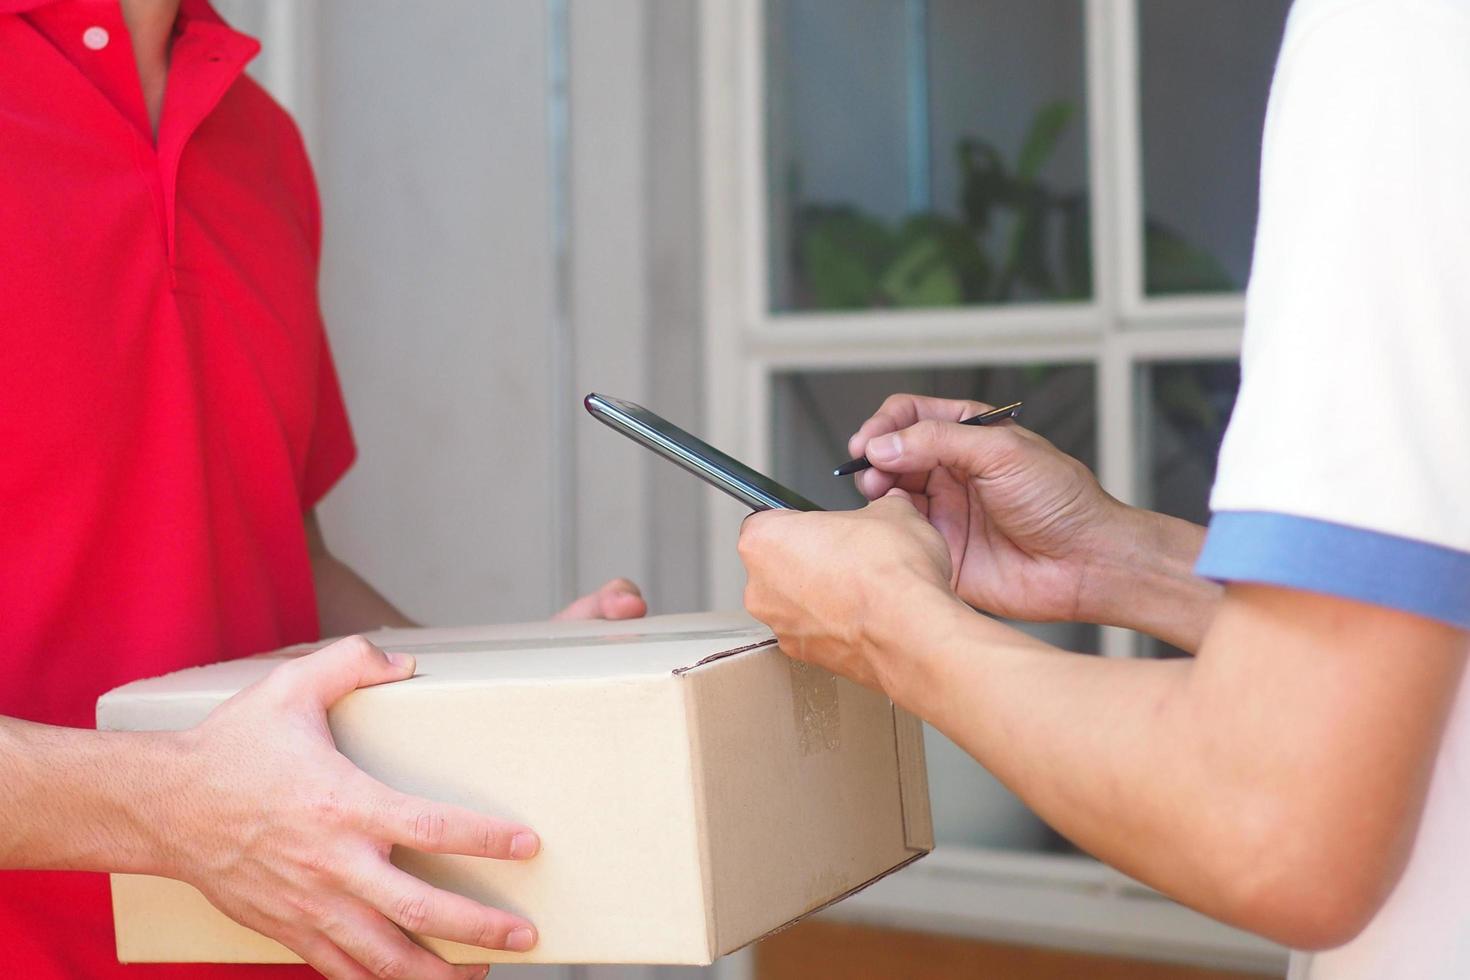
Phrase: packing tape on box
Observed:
(815, 708)
(913, 781)
(562, 642)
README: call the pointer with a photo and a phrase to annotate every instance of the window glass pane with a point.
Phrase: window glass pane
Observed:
(1204, 73)
(925, 153)
(813, 415)
(1185, 406)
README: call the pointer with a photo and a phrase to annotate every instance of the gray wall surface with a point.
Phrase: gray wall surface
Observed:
(486, 262)
(438, 290)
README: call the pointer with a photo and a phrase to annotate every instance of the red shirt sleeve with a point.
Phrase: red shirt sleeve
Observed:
(332, 449)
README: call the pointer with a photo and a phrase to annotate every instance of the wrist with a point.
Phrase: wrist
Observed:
(1142, 577)
(80, 800)
(147, 804)
(906, 635)
(940, 635)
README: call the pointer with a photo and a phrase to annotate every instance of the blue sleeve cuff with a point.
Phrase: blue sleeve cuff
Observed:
(1320, 556)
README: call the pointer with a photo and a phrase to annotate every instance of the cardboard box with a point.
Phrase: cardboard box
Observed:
(694, 789)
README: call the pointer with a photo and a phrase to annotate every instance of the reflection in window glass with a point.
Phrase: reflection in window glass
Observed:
(815, 413)
(925, 153)
(1186, 406)
(1204, 73)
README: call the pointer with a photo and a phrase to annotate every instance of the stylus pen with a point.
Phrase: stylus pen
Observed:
(984, 418)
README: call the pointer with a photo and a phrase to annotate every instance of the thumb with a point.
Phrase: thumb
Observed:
(333, 672)
(583, 607)
(617, 599)
(621, 599)
(930, 443)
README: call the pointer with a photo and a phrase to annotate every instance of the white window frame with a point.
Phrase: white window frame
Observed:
(1117, 330)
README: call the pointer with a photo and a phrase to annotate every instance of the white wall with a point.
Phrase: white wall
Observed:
(632, 290)
(465, 339)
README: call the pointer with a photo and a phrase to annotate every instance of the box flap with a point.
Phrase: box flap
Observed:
(550, 634)
(721, 655)
(516, 653)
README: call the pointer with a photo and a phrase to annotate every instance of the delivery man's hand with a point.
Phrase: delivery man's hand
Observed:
(1030, 532)
(840, 589)
(288, 837)
(1026, 525)
(618, 599)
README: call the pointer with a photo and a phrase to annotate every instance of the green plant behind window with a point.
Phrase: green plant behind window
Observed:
(1015, 238)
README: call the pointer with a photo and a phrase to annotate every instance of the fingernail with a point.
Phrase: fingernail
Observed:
(403, 661)
(524, 845)
(520, 940)
(885, 449)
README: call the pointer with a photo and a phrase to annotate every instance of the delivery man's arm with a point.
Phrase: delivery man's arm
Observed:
(1274, 781)
(257, 809)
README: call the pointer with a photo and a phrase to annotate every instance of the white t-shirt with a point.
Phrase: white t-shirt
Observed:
(1346, 467)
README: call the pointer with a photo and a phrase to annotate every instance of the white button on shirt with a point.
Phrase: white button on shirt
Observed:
(96, 38)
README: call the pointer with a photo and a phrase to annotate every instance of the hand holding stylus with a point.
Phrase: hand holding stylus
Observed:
(1031, 534)
(984, 418)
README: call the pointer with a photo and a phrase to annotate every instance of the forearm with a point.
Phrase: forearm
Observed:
(85, 800)
(1143, 579)
(1085, 741)
(1091, 744)
(1270, 783)
(346, 603)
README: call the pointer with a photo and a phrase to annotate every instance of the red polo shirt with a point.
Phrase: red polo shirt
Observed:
(168, 405)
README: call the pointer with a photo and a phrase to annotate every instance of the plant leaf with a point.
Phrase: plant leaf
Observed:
(836, 275)
(1041, 138)
(962, 252)
(840, 253)
(920, 276)
(1077, 247)
(1173, 265)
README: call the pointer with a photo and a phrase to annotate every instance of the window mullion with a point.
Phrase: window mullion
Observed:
(1102, 70)
(1127, 186)
(1117, 401)
(1112, 88)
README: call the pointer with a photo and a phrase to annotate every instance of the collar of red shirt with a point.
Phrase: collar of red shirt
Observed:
(208, 56)
(188, 9)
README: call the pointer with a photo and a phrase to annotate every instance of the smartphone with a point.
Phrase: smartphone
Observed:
(756, 490)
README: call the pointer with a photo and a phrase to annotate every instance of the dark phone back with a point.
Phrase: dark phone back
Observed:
(752, 488)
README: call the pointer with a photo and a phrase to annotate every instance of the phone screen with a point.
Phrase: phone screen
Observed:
(754, 489)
